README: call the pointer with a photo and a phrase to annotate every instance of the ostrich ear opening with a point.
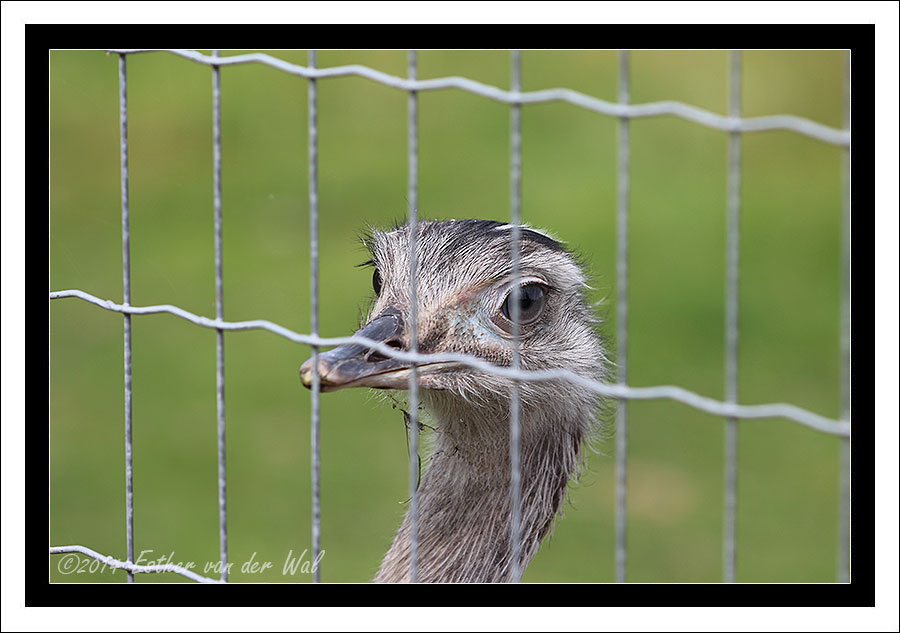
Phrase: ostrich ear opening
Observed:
(354, 365)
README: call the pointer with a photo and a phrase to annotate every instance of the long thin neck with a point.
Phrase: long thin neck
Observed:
(464, 501)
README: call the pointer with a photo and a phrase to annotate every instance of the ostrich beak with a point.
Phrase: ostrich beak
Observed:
(359, 366)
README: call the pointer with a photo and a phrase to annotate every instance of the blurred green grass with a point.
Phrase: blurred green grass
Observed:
(789, 349)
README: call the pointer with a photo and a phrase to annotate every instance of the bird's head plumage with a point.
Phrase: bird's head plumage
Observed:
(464, 304)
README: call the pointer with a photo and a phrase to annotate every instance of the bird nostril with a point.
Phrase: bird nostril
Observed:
(375, 356)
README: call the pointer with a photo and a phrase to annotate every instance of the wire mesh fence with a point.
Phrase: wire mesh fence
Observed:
(729, 409)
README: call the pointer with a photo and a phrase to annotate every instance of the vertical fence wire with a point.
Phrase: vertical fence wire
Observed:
(515, 440)
(729, 528)
(413, 420)
(624, 187)
(220, 314)
(314, 318)
(844, 511)
(126, 300)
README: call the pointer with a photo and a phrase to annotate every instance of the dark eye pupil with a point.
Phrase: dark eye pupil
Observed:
(531, 303)
(376, 282)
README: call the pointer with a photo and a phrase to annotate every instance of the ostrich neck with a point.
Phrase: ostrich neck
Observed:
(464, 499)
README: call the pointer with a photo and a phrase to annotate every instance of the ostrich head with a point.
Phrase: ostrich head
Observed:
(464, 296)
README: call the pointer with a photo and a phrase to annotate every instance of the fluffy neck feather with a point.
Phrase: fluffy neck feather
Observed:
(464, 502)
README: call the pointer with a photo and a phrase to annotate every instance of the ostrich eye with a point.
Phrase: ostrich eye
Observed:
(532, 298)
(376, 282)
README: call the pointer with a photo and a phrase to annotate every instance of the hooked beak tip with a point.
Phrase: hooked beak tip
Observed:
(306, 376)
(355, 365)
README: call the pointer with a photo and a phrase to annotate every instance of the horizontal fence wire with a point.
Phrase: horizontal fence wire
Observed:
(787, 122)
(130, 567)
(670, 392)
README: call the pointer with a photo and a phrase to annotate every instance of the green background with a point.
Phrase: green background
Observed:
(789, 301)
